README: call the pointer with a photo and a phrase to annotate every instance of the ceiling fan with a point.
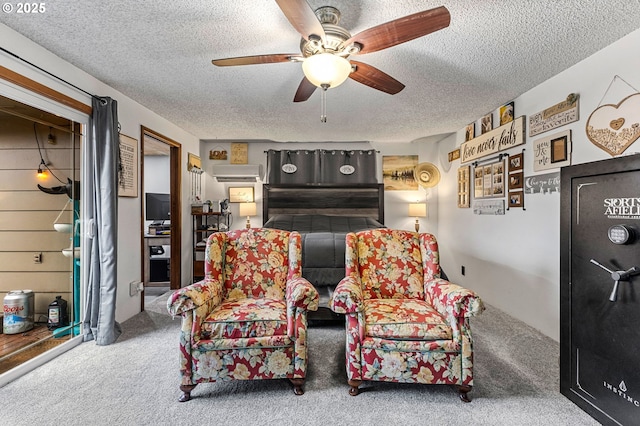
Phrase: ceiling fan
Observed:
(325, 47)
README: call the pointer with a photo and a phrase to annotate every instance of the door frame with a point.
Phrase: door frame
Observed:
(175, 191)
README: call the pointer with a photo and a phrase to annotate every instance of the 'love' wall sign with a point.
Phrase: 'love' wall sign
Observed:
(499, 139)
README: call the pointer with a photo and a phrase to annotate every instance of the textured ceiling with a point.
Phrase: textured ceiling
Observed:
(159, 53)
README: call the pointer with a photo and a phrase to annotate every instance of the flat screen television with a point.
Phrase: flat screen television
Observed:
(157, 207)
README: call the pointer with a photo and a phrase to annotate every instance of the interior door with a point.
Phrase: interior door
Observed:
(600, 299)
(152, 140)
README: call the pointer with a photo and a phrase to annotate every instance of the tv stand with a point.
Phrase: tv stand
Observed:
(149, 241)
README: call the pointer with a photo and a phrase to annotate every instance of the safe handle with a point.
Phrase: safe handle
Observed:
(617, 276)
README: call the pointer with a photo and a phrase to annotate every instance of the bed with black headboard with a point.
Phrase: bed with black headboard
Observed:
(323, 214)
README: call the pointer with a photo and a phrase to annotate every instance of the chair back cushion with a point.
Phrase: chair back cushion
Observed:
(389, 263)
(255, 262)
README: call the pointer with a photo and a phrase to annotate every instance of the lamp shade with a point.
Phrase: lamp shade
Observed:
(247, 209)
(326, 69)
(418, 209)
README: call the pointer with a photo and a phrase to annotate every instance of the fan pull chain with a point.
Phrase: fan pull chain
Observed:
(323, 103)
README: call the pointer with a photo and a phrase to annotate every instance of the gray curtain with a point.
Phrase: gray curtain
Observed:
(362, 161)
(306, 162)
(101, 223)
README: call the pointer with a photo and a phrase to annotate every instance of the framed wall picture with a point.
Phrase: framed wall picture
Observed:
(464, 187)
(397, 172)
(470, 132)
(128, 175)
(241, 195)
(507, 113)
(515, 162)
(489, 180)
(486, 123)
(516, 199)
(516, 180)
(239, 153)
(559, 149)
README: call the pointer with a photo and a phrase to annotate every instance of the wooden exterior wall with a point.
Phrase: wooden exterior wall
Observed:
(27, 214)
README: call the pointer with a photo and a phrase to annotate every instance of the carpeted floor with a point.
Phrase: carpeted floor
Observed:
(135, 382)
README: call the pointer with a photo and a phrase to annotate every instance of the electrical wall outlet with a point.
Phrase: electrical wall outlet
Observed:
(135, 287)
(37, 257)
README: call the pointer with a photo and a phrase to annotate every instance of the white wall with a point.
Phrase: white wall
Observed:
(131, 116)
(512, 261)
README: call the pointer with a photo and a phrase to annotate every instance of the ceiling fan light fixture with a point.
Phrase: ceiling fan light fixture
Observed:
(326, 69)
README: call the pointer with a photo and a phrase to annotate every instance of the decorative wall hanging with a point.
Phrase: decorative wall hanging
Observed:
(499, 139)
(193, 161)
(218, 153)
(239, 153)
(289, 167)
(347, 168)
(128, 175)
(464, 187)
(515, 180)
(486, 123)
(557, 115)
(470, 132)
(454, 155)
(542, 184)
(397, 172)
(427, 175)
(488, 207)
(552, 152)
(507, 112)
(613, 128)
(489, 180)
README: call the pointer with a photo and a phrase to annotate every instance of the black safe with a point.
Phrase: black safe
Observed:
(600, 288)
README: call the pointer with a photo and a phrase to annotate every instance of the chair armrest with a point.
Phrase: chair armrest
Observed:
(301, 294)
(347, 297)
(194, 296)
(452, 299)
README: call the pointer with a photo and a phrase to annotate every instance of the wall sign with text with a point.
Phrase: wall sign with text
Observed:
(499, 139)
(552, 152)
(555, 116)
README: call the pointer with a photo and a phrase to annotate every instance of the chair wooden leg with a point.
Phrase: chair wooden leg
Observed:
(186, 392)
(354, 387)
(297, 386)
(462, 392)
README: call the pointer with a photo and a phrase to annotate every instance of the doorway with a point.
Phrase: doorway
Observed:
(39, 234)
(161, 171)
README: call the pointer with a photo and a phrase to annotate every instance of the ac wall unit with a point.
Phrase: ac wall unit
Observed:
(236, 172)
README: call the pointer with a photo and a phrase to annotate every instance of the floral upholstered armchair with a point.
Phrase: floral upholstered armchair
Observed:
(404, 323)
(248, 318)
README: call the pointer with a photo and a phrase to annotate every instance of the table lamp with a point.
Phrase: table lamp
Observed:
(418, 210)
(248, 209)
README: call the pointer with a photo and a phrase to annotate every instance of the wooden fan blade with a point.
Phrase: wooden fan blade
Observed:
(305, 90)
(373, 77)
(401, 30)
(302, 17)
(257, 59)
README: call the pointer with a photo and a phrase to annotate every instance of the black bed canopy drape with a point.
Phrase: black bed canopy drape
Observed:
(321, 166)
